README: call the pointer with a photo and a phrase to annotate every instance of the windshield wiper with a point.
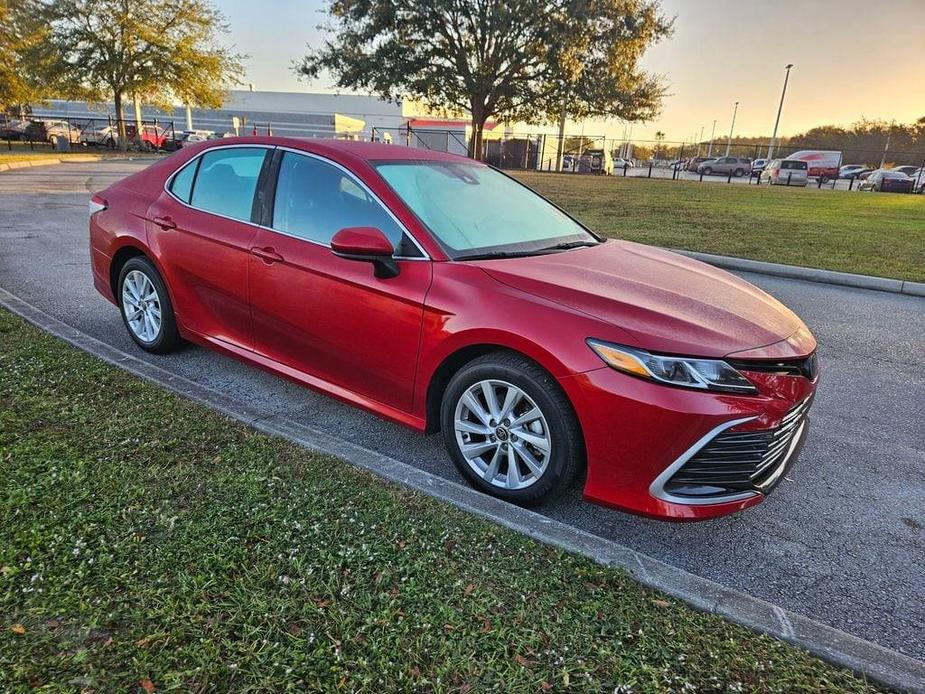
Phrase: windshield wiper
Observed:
(488, 255)
(496, 254)
(567, 245)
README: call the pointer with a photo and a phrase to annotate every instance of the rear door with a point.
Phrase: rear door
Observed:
(201, 230)
(327, 316)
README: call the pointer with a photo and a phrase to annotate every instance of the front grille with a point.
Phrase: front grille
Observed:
(739, 461)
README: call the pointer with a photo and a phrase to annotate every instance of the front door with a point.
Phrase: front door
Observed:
(327, 316)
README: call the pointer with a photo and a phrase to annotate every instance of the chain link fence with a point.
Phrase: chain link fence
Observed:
(63, 134)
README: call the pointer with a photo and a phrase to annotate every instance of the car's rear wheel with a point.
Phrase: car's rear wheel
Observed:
(146, 308)
(510, 429)
(707, 171)
(738, 173)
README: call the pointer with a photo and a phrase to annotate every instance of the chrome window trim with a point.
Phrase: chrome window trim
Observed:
(404, 229)
(657, 488)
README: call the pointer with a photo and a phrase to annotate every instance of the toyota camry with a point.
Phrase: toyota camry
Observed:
(442, 294)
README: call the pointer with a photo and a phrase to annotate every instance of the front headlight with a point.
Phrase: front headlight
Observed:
(703, 374)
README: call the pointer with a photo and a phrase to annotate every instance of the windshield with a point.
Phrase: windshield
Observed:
(792, 164)
(473, 210)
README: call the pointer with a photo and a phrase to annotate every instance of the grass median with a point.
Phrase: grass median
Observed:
(149, 543)
(879, 234)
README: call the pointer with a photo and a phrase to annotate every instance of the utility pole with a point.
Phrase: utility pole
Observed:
(779, 109)
(712, 137)
(732, 127)
(700, 141)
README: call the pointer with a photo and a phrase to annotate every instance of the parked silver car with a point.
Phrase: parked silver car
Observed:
(786, 172)
(737, 166)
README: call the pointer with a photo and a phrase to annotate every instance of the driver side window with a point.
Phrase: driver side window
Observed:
(314, 200)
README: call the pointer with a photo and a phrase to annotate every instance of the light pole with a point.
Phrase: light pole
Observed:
(700, 141)
(735, 110)
(712, 137)
(779, 109)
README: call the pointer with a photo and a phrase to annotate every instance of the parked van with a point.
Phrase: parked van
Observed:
(823, 163)
(786, 172)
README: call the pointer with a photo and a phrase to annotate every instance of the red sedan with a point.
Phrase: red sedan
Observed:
(444, 295)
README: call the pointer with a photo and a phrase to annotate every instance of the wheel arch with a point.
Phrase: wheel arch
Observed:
(132, 249)
(459, 357)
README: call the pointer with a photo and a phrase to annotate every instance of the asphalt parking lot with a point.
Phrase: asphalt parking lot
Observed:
(841, 541)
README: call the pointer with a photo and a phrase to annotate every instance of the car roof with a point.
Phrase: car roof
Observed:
(347, 149)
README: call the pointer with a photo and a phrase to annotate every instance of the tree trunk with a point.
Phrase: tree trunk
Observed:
(479, 116)
(120, 121)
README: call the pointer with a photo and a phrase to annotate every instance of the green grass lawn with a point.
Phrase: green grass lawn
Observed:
(870, 234)
(150, 543)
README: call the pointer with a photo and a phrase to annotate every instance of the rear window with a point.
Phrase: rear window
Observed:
(794, 165)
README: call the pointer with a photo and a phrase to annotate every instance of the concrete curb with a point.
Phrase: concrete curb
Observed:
(29, 163)
(809, 274)
(875, 662)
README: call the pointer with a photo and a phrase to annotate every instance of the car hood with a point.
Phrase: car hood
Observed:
(669, 303)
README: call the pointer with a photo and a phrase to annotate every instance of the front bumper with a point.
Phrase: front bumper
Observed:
(643, 441)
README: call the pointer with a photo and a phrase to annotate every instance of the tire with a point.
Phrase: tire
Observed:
(707, 171)
(152, 324)
(738, 173)
(539, 474)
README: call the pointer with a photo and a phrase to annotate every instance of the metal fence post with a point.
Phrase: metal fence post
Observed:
(820, 182)
(729, 177)
(789, 176)
(626, 166)
(851, 182)
(650, 168)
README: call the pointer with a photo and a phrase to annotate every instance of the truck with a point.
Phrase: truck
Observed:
(823, 163)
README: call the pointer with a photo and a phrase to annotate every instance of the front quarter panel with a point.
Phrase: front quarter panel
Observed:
(466, 307)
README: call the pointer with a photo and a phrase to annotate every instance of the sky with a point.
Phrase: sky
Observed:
(852, 59)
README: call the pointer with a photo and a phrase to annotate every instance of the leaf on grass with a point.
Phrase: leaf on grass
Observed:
(294, 629)
(523, 662)
(449, 545)
(469, 588)
(486, 626)
(18, 629)
(147, 685)
(661, 603)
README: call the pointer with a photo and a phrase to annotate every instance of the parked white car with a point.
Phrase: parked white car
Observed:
(786, 172)
(104, 135)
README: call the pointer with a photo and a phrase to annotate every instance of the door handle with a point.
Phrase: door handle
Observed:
(165, 223)
(267, 255)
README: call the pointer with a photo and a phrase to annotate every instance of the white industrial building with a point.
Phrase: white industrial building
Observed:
(306, 114)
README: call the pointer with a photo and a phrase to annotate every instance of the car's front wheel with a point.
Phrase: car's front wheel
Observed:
(707, 171)
(146, 308)
(510, 429)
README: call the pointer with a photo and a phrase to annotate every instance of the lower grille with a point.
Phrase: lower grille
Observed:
(735, 462)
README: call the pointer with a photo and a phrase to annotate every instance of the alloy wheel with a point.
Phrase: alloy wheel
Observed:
(141, 306)
(502, 434)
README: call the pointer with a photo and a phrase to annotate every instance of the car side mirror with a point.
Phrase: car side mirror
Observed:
(368, 244)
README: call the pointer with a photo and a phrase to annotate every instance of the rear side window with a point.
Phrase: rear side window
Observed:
(227, 180)
(182, 183)
(794, 165)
